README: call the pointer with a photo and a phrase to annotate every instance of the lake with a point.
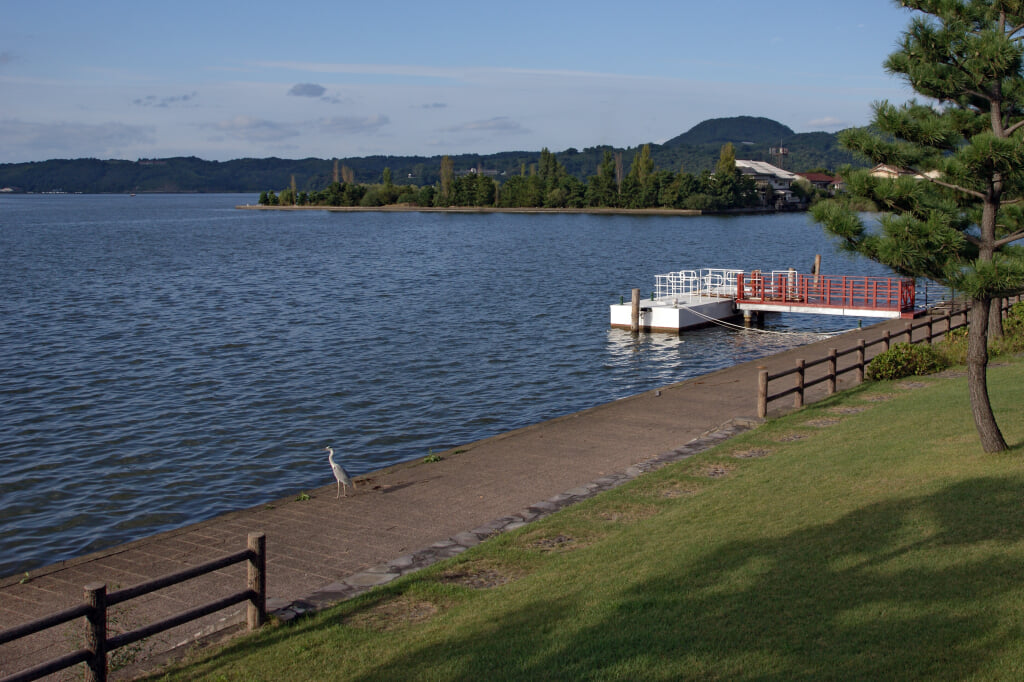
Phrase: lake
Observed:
(166, 358)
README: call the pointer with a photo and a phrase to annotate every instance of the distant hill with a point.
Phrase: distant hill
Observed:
(753, 137)
(693, 151)
(739, 129)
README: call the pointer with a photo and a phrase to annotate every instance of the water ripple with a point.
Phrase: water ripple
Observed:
(167, 358)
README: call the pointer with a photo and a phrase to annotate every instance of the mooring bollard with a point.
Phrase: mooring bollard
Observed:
(634, 320)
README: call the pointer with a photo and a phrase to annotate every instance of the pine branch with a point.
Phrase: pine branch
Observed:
(955, 188)
(1014, 128)
(1009, 238)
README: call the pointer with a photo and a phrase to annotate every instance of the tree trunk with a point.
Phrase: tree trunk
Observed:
(977, 381)
(995, 320)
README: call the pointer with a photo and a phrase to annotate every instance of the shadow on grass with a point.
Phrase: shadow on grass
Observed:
(917, 587)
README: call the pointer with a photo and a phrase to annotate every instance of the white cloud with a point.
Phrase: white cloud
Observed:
(164, 102)
(255, 129)
(497, 124)
(456, 74)
(351, 125)
(70, 140)
(828, 123)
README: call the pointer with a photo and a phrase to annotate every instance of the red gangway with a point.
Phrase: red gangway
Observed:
(789, 290)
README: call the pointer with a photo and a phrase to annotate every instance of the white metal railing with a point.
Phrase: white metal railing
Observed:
(686, 286)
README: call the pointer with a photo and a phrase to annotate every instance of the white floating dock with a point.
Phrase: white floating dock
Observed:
(683, 300)
(666, 316)
(694, 298)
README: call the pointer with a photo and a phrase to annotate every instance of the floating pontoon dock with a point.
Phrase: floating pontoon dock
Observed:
(695, 298)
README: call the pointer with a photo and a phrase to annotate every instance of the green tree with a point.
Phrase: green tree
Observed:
(485, 191)
(603, 189)
(639, 188)
(953, 216)
(463, 191)
(729, 188)
(443, 197)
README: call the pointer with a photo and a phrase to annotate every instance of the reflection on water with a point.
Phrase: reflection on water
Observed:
(663, 358)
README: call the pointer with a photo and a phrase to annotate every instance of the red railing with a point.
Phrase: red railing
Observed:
(826, 291)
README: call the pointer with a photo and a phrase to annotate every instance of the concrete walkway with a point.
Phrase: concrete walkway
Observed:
(321, 550)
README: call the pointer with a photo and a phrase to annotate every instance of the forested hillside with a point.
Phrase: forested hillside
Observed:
(694, 151)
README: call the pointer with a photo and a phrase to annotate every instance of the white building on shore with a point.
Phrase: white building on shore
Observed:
(767, 176)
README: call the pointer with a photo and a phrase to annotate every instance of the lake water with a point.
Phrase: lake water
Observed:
(166, 358)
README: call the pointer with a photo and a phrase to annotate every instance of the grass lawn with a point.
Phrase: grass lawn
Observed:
(865, 537)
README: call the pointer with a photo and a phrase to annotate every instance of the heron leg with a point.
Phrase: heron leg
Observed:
(338, 496)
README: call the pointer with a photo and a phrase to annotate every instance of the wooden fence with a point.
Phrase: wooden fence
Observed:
(94, 610)
(936, 326)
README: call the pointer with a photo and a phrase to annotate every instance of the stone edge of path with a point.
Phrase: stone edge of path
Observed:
(381, 574)
(358, 583)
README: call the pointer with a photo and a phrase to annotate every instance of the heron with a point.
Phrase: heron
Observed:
(339, 473)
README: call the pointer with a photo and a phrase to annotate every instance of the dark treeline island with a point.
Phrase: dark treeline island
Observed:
(689, 158)
(547, 184)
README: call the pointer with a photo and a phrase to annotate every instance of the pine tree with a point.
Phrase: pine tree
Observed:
(728, 185)
(954, 212)
(444, 196)
(602, 188)
(636, 188)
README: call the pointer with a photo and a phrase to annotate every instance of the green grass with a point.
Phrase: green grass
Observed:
(833, 544)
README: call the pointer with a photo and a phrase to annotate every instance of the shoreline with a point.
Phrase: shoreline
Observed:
(321, 548)
(520, 210)
(474, 209)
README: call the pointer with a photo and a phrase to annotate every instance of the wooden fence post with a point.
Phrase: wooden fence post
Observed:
(798, 397)
(910, 332)
(762, 393)
(860, 361)
(831, 371)
(256, 613)
(96, 632)
(931, 335)
(885, 340)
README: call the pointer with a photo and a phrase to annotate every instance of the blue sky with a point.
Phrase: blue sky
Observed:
(225, 79)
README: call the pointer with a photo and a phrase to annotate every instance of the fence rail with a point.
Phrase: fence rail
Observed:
(826, 291)
(946, 324)
(97, 600)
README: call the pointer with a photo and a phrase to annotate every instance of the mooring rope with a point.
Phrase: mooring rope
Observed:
(730, 325)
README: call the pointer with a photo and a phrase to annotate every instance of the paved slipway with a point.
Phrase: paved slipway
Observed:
(322, 550)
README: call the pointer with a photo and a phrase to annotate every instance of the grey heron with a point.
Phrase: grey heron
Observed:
(339, 473)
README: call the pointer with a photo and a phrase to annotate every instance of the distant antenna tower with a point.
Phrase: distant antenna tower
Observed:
(779, 155)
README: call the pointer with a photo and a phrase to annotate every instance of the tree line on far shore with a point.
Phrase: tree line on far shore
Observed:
(547, 184)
